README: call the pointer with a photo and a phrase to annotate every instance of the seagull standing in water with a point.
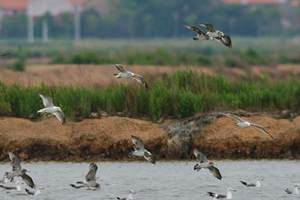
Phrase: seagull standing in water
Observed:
(123, 73)
(129, 197)
(140, 151)
(245, 124)
(222, 196)
(204, 163)
(208, 32)
(52, 109)
(256, 184)
(90, 179)
(295, 191)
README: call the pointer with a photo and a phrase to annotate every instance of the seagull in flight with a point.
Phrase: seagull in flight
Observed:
(15, 163)
(129, 197)
(242, 123)
(295, 191)
(124, 73)
(52, 109)
(204, 163)
(140, 151)
(90, 179)
(222, 196)
(208, 32)
(256, 184)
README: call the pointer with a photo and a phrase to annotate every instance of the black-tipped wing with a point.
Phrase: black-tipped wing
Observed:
(211, 194)
(47, 101)
(196, 30)
(215, 172)
(121, 68)
(15, 161)
(200, 156)
(226, 40)
(60, 116)
(262, 129)
(148, 156)
(138, 143)
(140, 79)
(28, 180)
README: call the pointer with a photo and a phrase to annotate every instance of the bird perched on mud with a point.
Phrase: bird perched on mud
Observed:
(204, 163)
(129, 197)
(245, 124)
(208, 32)
(222, 196)
(140, 151)
(123, 73)
(50, 108)
(90, 179)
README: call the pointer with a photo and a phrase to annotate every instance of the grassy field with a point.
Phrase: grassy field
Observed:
(246, 51)
(181, 94)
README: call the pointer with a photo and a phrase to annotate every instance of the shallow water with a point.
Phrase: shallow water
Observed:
(165, 180)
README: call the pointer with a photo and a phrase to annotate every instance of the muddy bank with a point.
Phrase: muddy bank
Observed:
(109, 138)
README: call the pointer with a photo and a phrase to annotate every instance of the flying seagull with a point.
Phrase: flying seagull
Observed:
(129, 197)
(140, 151)
(245, 124)
(222, 196)
(90, 179)
(208, 32)
(257, 184)
(52, 109)
(29, 182)
(124, 73)
(15, 163)
(294, 191)
(204, 163)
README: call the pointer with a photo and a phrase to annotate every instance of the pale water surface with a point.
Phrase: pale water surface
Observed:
(165, 180)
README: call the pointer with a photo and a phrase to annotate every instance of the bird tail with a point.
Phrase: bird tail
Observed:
(244, 183)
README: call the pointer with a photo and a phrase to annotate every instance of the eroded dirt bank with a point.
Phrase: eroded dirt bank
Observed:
(109, 138)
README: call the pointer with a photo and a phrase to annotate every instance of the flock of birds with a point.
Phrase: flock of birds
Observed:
(203, 32)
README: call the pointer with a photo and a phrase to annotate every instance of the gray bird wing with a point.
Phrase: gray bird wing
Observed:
(261, 129)
(28, 180)
(216, 172)
(209, 27)
(47, 101)
(200, 156)
(60, 116)
(91, 175)
(15, 162)
(196, 30)
(138, 143)
(235, 117)
(121, 68)
(140, 79)
(148, 156)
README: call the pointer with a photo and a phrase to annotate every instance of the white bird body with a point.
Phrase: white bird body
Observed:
(244, 124)
(50, 108)
(124, 73)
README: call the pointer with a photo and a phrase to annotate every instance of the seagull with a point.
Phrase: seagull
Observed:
(124, 73)
(295, 191)
(208, 32)
(29, 182)
(257, 184)
(129, 197)
(90, 179)
(222, 196)
(140, 151)
(245, 124)
(52, 109)
(15, 163)
(204, 163)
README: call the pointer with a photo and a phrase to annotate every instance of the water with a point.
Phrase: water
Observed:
(165, 180)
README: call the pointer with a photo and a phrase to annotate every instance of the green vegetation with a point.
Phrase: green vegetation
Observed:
(179, 95)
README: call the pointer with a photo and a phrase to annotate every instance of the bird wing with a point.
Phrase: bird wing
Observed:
(209, 27)
(47, 101)
(200, 156)
(262, 129)
(121, 68)
(138, 143)
(215, 171)
(196, 30)
(244, 183)
(233, 116)
(226, 40)
(15, 162)
(91, 175)
(140, 79)
(148, 156)
(28, 180)
(60, 116)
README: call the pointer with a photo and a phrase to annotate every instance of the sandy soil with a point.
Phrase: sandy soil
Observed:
(109, 138)
(93, 75)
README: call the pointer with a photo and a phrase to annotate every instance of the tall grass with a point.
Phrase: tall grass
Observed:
(181, 94)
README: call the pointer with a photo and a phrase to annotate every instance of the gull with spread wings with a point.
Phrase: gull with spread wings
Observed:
(242, 123)
(205, 163)
(90, 179)
(50, 108)
(140, 151)
(124, 73)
